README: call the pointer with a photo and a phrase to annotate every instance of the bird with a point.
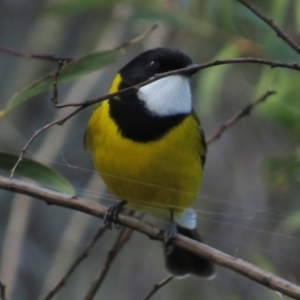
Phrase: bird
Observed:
(149, 148)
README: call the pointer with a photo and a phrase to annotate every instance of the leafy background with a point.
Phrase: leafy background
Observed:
(249, 203)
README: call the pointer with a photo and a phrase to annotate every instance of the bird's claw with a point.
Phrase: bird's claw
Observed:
(167, 234)
(111, 215)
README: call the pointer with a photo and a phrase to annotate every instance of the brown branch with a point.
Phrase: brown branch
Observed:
(59, 122)
(121, 240)
(2, 291)
(242, 113)
(138, 38)
(158, 286)
(62, 62)
(271, 24)
(43, 56)
(76, 263)
(196, 67)
(82, 105)
(238, 265)
(51, 57)
(56, 75)
(121, 46)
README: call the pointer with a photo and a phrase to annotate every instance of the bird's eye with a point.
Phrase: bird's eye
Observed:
(152, 65)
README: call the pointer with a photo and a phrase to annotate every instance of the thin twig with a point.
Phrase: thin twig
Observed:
(242, 113)
(2, 291)
(76, 263)
(158, 286)
(238, 265)
(63, 61)
(271, 24)
(43, 56)
(51, 57)
(121, 46)
(121, 240)
(82, 105)
(59, 122)
(138, 38)
(194, 68)
(56, 75)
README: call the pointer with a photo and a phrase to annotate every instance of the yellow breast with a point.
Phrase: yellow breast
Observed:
(155, 176)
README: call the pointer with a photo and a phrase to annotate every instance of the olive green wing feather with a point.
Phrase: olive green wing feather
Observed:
(203, 148)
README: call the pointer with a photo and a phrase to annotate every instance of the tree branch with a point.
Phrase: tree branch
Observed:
(238, 265)
(61, 62)
(271, 24)
(138, 38)
(82, 105)
(76, 263)
(42, 56)
(158, 286)
(51, 57)
(195, 68)
(60, 121)
(242, 113)
(121, 240)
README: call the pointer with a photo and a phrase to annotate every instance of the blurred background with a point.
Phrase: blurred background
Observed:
(249, 205)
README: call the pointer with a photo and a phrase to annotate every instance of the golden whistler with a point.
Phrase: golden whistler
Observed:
(149, 148)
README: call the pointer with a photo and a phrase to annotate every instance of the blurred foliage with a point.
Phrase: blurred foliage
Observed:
(79, 6)
(284, 172)
(249, 203)
(210, 83)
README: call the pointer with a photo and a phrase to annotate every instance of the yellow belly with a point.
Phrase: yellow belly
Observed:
(155, 176)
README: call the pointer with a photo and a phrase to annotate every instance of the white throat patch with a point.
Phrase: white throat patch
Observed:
(167, 96)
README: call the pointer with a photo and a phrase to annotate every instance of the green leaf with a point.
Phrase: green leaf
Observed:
(72, 70)
(37, 172)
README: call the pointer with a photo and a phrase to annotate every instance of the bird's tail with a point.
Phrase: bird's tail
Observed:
(181, 262)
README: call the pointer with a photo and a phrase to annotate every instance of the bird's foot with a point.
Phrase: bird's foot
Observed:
(111, 216)
(167, 234)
